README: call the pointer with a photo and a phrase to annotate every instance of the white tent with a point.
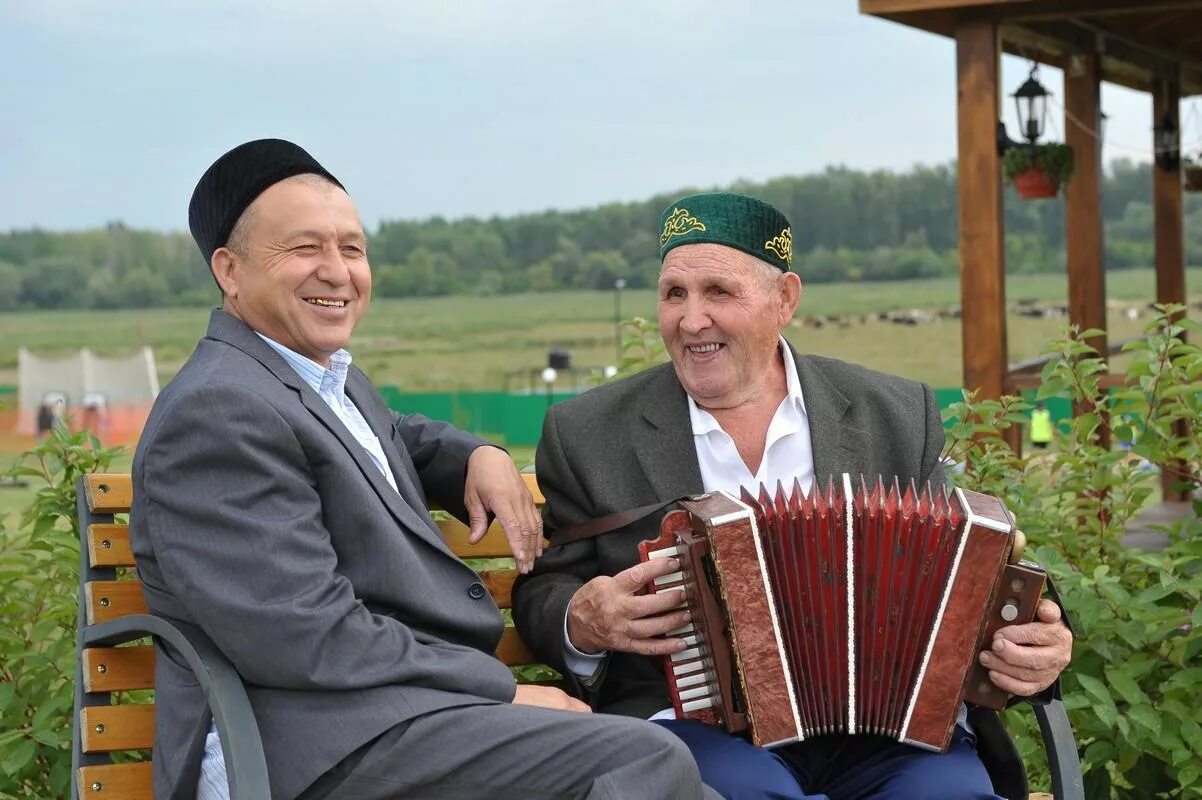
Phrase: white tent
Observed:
(127, 387)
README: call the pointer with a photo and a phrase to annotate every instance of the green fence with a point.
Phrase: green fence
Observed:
(1059, 407)
(513, 419)
(517, 419)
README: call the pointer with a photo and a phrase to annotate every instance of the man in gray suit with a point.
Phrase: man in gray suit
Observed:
(280, 515)
(736, 407)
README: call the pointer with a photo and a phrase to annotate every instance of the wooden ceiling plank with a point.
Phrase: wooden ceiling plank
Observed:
(1024, 10)
(1127, 61)
(1080, 9)
(880, 7)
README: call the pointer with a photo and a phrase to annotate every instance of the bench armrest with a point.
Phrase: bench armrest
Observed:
(245, 764)
(1061, 748)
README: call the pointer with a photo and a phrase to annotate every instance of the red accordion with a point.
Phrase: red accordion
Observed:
(841, 611)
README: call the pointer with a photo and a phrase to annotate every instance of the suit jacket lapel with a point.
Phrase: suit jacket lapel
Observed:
(405, 508)
(404, 502)
(837, 445)
(410, 495)
(663, 438)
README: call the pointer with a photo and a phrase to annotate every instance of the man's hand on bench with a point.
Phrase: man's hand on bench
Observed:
(495, 485)
(548, 697)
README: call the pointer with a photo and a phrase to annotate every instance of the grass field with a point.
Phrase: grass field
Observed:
(469, 343)
(466, 343)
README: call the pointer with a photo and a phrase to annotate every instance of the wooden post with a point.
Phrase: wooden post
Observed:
(1170, 238)
(1083, 198)
(1083, 203)
(982, 255)
(1167, 203)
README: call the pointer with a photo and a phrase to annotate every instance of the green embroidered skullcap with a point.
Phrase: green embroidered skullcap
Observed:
(734, 220)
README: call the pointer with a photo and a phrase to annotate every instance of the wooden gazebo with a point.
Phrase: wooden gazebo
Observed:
(1149, 45)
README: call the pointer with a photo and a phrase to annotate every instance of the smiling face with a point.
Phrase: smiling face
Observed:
(298, 272)
(720, 315)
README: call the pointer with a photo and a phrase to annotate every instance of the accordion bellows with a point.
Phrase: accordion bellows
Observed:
(852, 609)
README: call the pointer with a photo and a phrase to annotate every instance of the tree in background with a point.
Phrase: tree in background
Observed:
(849, 225)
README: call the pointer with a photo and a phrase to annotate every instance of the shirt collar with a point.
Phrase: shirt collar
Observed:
(323, 380)
(703, 422)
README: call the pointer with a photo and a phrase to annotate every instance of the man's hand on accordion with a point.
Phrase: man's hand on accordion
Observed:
(614, 613)
(1026, 659)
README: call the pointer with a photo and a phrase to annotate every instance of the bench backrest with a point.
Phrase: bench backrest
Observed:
(108, 722)
(107, 591)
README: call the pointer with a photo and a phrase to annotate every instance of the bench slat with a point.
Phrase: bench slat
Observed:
(513, 652)
(500, 585)
(104, 729)
(532, 484)
(118, 669)
(108, 546)
(109, 492)
(493, 545)
(113, 599)
(124, 781)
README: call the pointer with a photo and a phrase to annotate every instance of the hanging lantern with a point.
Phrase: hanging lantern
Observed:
(1167, 140)
(1031, 102)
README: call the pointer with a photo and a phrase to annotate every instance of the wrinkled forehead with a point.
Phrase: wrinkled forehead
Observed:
(712, 260)
(305, 201)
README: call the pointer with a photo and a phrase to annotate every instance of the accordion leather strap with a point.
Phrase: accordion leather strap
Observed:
(610, 522)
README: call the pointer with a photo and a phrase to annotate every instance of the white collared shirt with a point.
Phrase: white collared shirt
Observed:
(330, 384)
(787, 450)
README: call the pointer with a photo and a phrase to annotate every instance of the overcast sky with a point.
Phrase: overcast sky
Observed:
(112, 110)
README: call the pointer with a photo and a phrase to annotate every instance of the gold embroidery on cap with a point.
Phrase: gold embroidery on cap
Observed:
(782, 245)
(678, 224)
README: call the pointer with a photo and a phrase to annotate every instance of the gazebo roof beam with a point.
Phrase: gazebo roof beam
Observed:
(1008, 10)
(1083, 9)
(1124, 62)
(1134, 48)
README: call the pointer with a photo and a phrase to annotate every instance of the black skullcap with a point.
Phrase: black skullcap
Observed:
(236, 179)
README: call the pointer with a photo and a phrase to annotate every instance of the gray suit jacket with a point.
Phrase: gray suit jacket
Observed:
(261, 525)
(629, 444)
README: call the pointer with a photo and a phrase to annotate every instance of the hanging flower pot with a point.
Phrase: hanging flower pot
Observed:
(1191, 175)
(1038, 170)
(1034, 184)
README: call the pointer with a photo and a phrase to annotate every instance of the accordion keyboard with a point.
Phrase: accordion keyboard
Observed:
(694, 687)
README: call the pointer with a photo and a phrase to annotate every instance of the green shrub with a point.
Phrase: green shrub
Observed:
(1134, 688)
(39, 569)
(1054, 158)
(642, 347)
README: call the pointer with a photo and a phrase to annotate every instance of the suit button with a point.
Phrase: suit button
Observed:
(476, 591)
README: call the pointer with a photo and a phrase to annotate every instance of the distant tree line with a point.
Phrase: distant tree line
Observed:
(849, 225)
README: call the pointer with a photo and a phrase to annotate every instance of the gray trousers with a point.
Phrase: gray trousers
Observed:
(510, 752)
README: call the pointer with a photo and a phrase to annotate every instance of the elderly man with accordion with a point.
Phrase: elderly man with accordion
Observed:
(756, 548)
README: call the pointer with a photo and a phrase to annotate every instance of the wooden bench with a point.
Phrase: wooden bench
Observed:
(113, 659)
(114, 665)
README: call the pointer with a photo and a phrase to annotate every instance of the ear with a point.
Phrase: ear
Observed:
(225, 266)
(790, 296)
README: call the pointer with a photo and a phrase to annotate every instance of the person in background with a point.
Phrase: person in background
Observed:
(45, 421)
(1041, 426)
(96, 414)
